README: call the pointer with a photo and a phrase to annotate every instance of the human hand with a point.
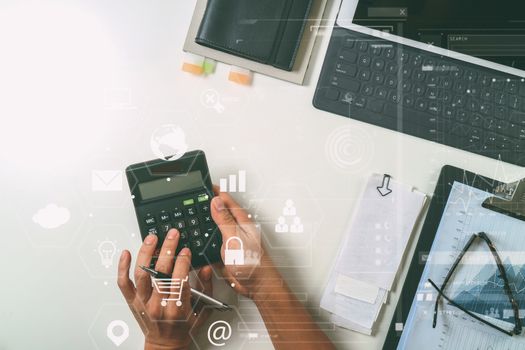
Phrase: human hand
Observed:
(164, 327)
(251, 280)
(287, 321)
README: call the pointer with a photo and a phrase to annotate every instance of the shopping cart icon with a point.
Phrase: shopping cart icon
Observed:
(171, 287)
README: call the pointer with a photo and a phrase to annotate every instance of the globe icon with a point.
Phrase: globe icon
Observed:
(168, 142)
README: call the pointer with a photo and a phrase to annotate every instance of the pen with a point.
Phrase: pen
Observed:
(201, 296)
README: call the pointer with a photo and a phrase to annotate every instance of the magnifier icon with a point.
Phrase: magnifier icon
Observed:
(211, 99)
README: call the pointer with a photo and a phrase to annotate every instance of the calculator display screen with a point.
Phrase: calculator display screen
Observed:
(161, 187)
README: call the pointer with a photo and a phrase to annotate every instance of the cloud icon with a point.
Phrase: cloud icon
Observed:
(52, 216)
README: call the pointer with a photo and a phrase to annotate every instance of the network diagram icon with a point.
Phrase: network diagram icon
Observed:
(289, 211)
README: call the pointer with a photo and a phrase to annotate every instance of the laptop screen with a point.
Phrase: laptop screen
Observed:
(488, 29)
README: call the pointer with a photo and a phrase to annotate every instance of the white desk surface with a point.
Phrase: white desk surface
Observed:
(66, 69)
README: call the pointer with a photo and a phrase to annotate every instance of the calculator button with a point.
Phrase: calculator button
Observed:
(187, 202)
(183, 235)
(153, 231)
(164, 216)
(177, 213)
(165, 228)
(195, 233)
(196, 244)
(207, 219)
(150, 220)
(209, 228)
(193, 221)
(215, 245)
(191, 211)
(204, 208)
(203, 198)
(179, 225)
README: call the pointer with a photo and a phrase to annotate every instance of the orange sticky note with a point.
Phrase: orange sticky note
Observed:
(193, 64)
(240, 76)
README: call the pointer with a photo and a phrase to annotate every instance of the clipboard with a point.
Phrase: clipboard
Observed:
(508, 199)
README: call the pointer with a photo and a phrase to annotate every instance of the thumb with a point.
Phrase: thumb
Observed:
(223, 218)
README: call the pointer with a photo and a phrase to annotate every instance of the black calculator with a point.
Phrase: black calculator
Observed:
(177, 194)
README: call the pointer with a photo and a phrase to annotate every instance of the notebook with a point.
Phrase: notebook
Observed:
(266, 31)
(302, 56)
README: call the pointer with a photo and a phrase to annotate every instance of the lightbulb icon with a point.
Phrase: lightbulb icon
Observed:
(107, 251)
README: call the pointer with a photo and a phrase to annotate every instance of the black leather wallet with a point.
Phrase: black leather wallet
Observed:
(266, 31)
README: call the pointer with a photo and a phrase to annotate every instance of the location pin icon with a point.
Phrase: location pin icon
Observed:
(123, 334)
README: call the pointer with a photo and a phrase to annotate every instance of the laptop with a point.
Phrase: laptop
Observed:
(448, 71)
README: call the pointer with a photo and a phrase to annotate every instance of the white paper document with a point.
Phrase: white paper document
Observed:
(356, 289)
(360, 312)
(477, 280)
(379, 233)
(371, 253)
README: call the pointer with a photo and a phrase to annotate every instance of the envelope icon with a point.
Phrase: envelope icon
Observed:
(106, 180)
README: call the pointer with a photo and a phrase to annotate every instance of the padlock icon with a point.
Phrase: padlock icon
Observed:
(234, 256)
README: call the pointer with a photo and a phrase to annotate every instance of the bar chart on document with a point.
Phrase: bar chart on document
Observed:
(476, 284)
(234, 183)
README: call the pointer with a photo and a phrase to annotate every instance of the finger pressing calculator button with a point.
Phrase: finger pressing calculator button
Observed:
(164, 216)
(150, 220)
(179, 225)
(182, 245)
(165, 228)
(153, 231)
(191, 211)
(177, 213)
(195, 233)
(193, 221)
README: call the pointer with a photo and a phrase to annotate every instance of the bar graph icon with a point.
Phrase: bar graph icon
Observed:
(234, 183)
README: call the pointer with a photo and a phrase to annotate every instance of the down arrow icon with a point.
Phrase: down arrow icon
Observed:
(383, 189)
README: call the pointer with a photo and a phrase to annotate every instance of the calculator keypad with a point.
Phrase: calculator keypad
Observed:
(177, 213)
(164, 216)
(193, 221)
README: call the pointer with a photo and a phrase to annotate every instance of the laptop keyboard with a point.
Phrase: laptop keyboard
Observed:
(426, 95)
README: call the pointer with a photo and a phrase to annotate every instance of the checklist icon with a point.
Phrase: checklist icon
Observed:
(106, 180)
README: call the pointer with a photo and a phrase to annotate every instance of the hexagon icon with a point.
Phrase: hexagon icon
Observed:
(242, 253)
(236, 175)
(101, 246)
(103, 184)
(290, 217)
(53, 216)
(173, 133)
(114, 327)
(221, 107)
(234, 336)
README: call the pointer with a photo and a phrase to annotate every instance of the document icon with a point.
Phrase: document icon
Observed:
(106, 180)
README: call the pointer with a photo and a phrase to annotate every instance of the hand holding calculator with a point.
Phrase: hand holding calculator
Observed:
(177, 194)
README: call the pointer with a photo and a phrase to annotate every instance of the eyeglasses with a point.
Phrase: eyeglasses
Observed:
(506, 287)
